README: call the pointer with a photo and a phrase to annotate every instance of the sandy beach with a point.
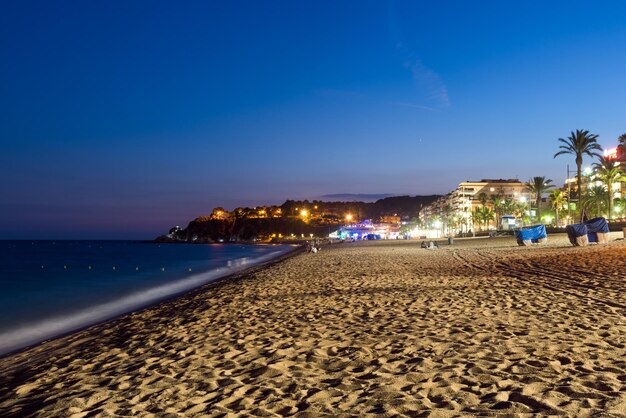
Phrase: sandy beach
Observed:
(482, 327)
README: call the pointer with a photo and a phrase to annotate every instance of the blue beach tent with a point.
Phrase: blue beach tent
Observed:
(595, 226)
(589, 229)
(576, 231)
(531, 233)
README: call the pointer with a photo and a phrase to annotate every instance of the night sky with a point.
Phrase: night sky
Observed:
(122, 119)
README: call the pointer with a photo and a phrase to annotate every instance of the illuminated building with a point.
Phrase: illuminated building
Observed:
(465, 199)
(589, 178)
(367, 230)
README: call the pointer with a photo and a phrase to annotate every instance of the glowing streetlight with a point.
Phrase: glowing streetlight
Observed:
(349, 217)
(303, 213)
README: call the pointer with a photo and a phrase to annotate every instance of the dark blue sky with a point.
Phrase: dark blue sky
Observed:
(121, 119)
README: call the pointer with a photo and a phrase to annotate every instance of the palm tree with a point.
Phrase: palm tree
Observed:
(483, 216)
(622, 143)
(496, 202)
(538, 186)
(520, 211)
(477, 219)
(557, 198)
(580, 143)
(482, 198)
(609, 173)
(621, 146)
(620, 204)
(458, 221)
(508, 206)
(488, 215)
(446, 216)
(595, 199)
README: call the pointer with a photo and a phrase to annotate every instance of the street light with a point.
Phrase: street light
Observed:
(349, 217)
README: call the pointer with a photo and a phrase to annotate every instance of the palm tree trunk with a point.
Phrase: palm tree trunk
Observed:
(579, 183)
(556, 217)
(610, 186)
(538, 207)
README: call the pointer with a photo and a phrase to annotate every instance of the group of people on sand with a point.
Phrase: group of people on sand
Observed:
(430, 245)
(313, 246)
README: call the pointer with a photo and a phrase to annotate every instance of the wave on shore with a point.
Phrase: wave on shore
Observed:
(30, 334)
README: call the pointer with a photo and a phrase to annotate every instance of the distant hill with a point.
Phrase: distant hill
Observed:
(265, 222)
(403, 205)
(356, 197)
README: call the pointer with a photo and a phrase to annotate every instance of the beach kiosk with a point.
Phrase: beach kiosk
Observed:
(508, 222)
(593, 230)
(531, 235)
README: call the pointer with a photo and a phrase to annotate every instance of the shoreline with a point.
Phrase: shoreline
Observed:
(154, 304)
(380, 327)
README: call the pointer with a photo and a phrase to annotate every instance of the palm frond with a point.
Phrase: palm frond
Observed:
(561, 153)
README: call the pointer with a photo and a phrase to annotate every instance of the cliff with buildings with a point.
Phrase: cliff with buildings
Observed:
(294, 219)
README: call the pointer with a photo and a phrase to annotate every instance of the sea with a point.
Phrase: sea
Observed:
(49, 288)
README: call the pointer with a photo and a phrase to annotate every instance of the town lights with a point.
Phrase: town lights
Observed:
(349, 217)
(610, 153)
(303, 213)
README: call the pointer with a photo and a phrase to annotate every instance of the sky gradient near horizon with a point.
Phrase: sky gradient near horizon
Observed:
(121, 119)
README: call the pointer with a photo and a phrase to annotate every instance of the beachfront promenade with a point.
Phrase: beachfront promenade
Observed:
(480, 327)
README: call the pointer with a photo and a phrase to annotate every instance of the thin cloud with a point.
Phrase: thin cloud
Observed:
(429, 83)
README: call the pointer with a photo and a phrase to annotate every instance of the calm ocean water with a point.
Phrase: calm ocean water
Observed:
(52, 287)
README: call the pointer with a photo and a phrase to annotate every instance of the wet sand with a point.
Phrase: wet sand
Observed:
(482, 327)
